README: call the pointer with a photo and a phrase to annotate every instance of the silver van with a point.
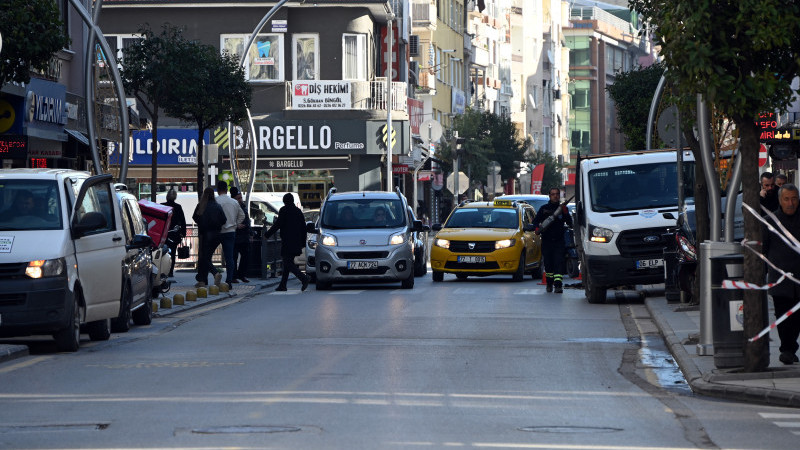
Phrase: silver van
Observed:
(364, 237)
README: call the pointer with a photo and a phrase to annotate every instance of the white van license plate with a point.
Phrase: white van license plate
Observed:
(472, 259)
(648, 263)
(362, 265)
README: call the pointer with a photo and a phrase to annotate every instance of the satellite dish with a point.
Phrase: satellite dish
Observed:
(431, 130)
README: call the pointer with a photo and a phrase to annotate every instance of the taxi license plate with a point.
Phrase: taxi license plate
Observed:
(362, 265)
(648, 263)
(472, 259)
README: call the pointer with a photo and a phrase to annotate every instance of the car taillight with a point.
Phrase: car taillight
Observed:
(686, 247)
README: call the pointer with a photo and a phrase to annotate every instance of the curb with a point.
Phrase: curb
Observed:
(12, 351)
(712, 385)
(258, 287)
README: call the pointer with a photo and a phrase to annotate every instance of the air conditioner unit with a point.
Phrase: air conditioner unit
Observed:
(413, 45)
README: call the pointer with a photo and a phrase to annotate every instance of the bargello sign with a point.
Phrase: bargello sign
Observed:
(309, 137)
(321, 95)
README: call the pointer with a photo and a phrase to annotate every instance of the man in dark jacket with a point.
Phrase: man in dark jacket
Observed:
(786, 294)
(768, 195)
(243, 241)
(179, 219)
(292, 225)
(550, 221)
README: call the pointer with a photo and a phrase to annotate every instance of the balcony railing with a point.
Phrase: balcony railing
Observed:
(366, 95)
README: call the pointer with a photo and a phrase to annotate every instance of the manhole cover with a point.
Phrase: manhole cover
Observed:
(562, 429)
(245, 429)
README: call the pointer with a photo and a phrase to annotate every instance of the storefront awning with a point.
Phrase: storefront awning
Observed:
(78, 136)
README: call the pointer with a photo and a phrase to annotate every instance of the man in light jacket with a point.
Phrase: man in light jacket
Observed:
(227, 236)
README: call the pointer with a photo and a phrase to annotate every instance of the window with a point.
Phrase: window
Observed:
(579, 54)
(354, 54)
(264, 62)
(120, 42)
(305, 59)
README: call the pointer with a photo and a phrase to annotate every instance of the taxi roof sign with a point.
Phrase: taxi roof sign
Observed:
(499, 202)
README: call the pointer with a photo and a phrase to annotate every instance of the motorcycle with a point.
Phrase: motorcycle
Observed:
(680, 256)
(162, 261)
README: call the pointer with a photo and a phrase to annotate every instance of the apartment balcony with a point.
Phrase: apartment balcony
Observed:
(481, 57)
(364, 95)
(423, 15)
(427, 80)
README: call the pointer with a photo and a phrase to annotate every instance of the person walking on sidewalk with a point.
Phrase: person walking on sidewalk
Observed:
(243, 241)
(178, 219)
(210, 218)
(550, 223)
(227, 236)
(786, 294)
(292, 225)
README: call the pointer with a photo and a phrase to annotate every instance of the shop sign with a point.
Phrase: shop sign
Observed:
(415, 114)
(46, 109)
(280, 26)
(13, 147)
(177, 146)
(300, 163)
(424, 175)
(10, 114)
(321, 95)
(399, 168)
(310, 137)
(459, 102)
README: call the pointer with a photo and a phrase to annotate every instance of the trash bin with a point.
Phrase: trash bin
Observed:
(672, 290)
(727, 306)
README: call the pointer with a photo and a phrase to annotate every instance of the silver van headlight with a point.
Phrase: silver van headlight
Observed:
(44, 268)
(397, 238)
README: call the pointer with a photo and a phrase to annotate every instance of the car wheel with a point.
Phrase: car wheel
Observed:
(122, 323)
(594, 294)
(461, 276)
(144, 315)
(519, 275)
(437, 276)
(68, 339)
(420, 269)
(573, 269)
(408, 283)
(99, 330)
(536, 272)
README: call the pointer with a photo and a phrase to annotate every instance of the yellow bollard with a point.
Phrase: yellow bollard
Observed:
(178, 299)
(224, 287)
(154, 306)
(166, 302)
(202, 292)
(191, 296)
(213, 290)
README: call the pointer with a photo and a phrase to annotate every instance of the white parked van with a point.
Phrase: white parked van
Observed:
(620, 204)
(62, 252)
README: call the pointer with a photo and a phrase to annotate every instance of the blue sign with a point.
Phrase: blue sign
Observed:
(176, 147)
(45, 109)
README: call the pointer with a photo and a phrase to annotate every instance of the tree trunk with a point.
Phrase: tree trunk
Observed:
(702, 219)
(756, 354)
(200, 172)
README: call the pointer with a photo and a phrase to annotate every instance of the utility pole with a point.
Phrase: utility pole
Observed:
(389, 63)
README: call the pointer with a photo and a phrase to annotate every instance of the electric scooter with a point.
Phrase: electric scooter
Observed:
(162, 261)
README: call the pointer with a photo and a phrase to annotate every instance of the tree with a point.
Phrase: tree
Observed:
(215, 91)
(32, 33)
(632, 93)
(552, 169)
(742, 57)
(152, 69)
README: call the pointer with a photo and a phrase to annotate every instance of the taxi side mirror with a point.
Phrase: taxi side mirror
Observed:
(436, 227)
(528, 227)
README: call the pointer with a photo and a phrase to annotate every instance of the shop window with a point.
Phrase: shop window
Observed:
(264, 62)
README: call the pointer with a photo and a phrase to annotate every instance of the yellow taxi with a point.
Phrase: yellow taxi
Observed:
(487, 238)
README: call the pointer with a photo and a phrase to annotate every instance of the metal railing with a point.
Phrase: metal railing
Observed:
(270, 257)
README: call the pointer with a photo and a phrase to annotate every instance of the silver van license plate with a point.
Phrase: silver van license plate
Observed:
(472, 259)
(361, 265)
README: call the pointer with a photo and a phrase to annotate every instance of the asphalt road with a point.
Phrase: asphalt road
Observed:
(476, 363)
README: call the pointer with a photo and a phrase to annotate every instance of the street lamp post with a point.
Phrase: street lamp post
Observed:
(389, 61)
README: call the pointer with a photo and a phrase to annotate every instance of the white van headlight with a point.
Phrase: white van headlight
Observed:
(43, 268)
(397, 239)
(328, 240)
(600, 234)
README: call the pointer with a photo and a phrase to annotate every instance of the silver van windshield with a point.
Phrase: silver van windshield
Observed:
(363, 213)
(29, 205)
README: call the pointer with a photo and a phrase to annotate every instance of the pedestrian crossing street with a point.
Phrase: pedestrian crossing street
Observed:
(784, 420)
(462, 291)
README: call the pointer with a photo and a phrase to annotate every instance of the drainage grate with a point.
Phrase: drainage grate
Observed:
(562, 429)
(246, 429)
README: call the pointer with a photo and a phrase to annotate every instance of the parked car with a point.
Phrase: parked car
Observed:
(364, 237)
(535, 200)
(137, 269)
(62, 250)
(420, 247)
(311, 216)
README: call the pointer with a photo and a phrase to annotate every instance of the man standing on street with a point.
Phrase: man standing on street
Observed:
(768, 196)
(550, 221)
(786, 294)
(227, 236)
(292, 225)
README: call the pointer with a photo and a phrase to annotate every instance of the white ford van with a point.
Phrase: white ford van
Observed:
(62, 246)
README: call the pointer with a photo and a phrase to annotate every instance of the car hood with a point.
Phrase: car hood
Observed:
(363, 236)
(477, 234)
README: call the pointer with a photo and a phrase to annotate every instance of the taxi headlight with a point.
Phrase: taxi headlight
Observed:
(505, 243)
(397, 239)
(44, 268)
(443, 243)
(600, 234)
(328, 240)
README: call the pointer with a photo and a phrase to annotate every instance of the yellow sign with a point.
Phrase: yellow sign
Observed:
(7, 116)
(498, 202)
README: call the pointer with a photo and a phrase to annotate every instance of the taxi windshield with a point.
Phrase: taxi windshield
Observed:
(483, 218)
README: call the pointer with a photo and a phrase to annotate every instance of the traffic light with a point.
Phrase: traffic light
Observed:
(384, 135)
(784, 144)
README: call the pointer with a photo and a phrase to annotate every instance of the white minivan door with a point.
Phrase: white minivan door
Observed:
(99, 247)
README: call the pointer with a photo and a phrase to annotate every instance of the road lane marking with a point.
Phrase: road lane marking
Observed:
(23, 364)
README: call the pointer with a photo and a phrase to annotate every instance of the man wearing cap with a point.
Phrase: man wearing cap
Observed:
(227, 236)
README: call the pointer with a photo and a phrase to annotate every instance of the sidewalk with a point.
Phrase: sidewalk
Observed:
(679, 324)
(183, 282)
